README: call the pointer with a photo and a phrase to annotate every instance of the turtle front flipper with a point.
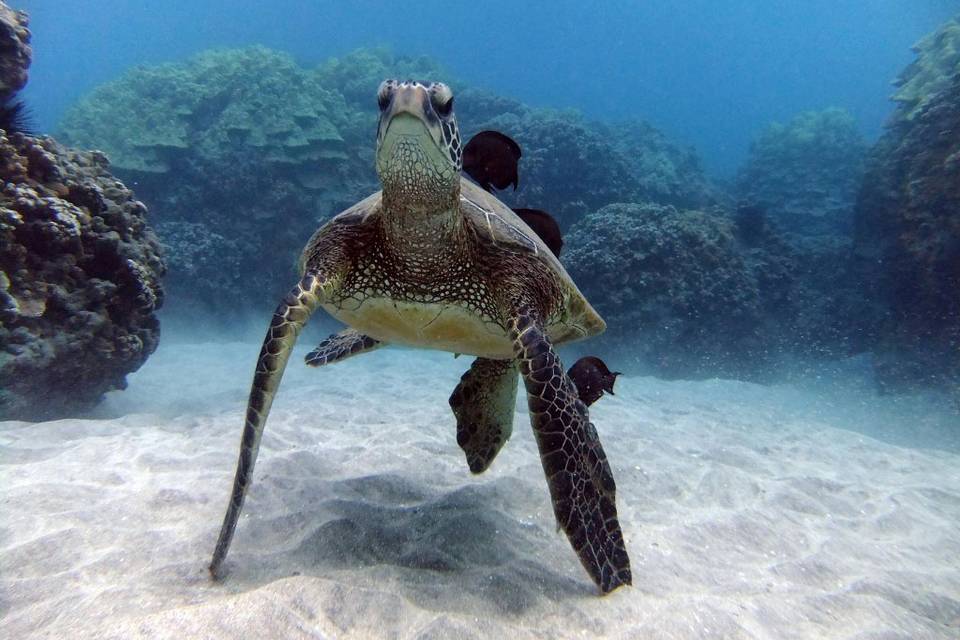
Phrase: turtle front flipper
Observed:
(581, 483)
(341, 346)
(287, 322)
(484, 403)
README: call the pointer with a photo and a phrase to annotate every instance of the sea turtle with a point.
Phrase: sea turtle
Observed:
(434, 261)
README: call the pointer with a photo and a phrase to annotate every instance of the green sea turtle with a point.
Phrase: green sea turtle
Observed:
(434, 261)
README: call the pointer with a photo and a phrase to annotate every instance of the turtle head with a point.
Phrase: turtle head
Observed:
(419, 156)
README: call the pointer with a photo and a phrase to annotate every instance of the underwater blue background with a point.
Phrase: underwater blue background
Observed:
(781, 304)
(707, 73)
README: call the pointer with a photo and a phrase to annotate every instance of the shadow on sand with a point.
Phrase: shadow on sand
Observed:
(442, 551)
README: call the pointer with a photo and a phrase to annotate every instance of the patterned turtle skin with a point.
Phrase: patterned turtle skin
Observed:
(434, 261)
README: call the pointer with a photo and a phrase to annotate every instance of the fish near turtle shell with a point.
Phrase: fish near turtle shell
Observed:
(491, 158)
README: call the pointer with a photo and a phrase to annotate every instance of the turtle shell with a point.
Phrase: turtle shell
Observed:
(496, 223)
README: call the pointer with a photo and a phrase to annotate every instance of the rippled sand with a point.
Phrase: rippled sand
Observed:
(748, 513)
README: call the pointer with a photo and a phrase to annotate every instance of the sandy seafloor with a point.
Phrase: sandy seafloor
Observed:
(749, 512)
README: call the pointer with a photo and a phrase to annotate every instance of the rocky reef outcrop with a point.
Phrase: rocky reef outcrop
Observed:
(814, 305)
(79, 280)
(673, 285)
(714, 292)
(806, 173)
(572, 166)
(908, 221)
(251, 102)
(240, 154)
(15, 51)
(244, 153)
(80, 268)
(796, 195)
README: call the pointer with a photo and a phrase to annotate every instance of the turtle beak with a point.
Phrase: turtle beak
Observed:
(411, 100)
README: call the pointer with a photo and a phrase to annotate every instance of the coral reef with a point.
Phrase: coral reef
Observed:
(15, 56)
(566, 168)
(572, 166)
(667, 173)
(79, 280)
(806, 173)
(247, 152)
(797, 192)
(802, 318)
(217, 104)
(79, 267)
(673, 284)
(709, 293)
(938, 58)
(15, 52)
(908, 221)
(242, 150)
(357, 75)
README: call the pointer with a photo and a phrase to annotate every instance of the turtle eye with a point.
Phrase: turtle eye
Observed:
(384, 94)
(445, 108)
(442, 99)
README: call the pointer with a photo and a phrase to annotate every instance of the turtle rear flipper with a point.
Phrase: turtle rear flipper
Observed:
(581, 483)
(341, 346)
(484, 402)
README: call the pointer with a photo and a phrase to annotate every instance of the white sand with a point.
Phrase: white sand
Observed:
(748, 512)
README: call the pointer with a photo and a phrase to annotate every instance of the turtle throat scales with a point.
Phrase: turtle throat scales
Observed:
(419, 163)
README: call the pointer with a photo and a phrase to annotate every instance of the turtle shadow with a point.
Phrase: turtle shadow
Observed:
(444, 550)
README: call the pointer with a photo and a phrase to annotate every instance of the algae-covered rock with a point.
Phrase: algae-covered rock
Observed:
(216, 104)
(716, 293)
(908, 222)
(244, 145)
(938, 60)
(672, 284)
(15, 51)
(806, 173)
(79, 280)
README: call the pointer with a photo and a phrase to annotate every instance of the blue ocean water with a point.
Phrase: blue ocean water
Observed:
(709, 73)
(785, 432)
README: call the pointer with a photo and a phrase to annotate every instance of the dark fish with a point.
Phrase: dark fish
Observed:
(15, 117)
(592, 377)
(491, 158)
(544, 226)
